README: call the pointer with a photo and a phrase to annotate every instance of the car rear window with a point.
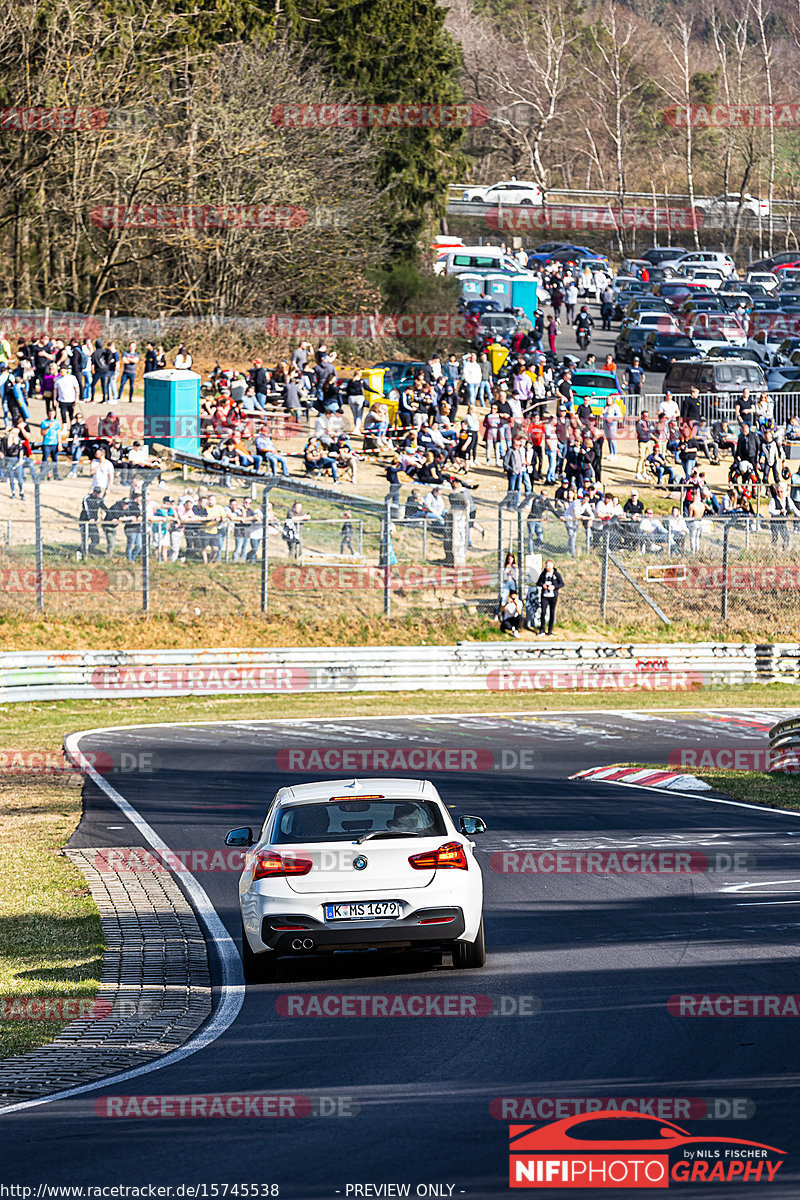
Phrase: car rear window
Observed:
(347, 820)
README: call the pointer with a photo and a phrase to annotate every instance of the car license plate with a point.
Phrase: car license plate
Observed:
(362, 910)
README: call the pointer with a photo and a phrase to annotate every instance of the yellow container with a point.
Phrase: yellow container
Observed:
(373, 378)
(497, 355)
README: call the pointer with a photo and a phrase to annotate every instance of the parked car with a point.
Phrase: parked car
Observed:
(493, 327)
(641, 304)
(707, 258)
(572, 256)
(508, 191)
(766, 344)
(661, 255)
(661, 348)
(731, 300)
(731, 202)
(766, 304)
(713, 329)
(768, 279)
(715, 376)
(712, 277)
(479, 306)
(477, 258)
(675, 291)
(630, 341)
(375, 863)
(734, 352)
(696, 304)
(785, 258)
(596, 386)
(625, 289)
(787, 350)
(780, 377)
(398, 375)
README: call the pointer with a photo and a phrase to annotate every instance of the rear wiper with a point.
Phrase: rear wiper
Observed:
(366, 837)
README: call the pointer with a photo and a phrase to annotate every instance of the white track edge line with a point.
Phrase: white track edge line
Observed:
(232, 987)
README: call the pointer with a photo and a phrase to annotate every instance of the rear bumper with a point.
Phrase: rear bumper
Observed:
(427, 926)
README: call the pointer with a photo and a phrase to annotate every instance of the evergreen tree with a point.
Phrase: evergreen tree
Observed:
(393, 51)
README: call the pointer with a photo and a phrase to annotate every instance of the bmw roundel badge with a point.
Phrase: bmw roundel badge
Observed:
(359, 862)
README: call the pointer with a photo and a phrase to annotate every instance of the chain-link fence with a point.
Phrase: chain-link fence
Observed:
(185, 543)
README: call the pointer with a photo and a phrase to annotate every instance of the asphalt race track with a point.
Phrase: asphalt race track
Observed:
(595, 958)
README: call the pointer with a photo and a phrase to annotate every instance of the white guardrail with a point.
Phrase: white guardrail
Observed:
(474, 666)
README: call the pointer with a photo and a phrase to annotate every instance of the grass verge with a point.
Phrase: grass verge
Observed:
(51, 941)
(756, 787)
(752, 787)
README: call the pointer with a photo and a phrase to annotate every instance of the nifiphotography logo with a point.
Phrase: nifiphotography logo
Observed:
(611, 1149)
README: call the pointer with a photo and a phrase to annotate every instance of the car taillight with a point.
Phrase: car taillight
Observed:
(451, 854)
(268, 864)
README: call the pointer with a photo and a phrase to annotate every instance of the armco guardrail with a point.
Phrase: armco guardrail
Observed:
(784, 745)
(482, 666)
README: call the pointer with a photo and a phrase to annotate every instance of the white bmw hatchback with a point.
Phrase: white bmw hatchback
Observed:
(359, 865)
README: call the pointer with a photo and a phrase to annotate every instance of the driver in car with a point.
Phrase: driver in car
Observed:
(409, 818)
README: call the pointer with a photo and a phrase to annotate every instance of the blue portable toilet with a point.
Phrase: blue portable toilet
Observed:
(524, 294)
(172, 410)
(498, 287)
(471, 286)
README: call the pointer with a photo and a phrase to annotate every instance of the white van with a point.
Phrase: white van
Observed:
(476, 258)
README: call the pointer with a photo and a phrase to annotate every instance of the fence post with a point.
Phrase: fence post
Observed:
(386, 541)
(145, 551)
(500, 554)
(520, 549)
(424, 539)
(724, 599)
(37, 508)
(604, 572)
(265, 550)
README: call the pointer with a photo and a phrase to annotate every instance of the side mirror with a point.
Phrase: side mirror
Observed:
(239, 837)
(471, 825)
